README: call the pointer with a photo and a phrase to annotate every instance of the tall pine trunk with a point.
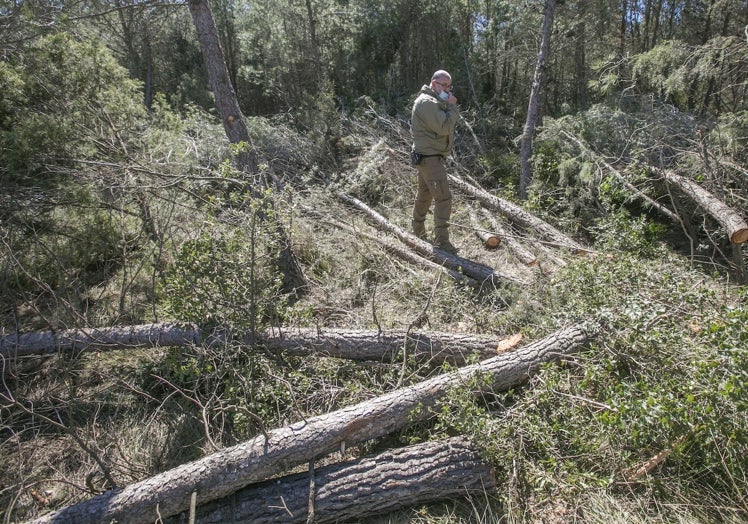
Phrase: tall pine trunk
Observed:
(227, 103)
(228, 108)
(532, 108)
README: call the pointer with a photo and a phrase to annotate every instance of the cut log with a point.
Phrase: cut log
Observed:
(102, 339)
(517, 249)
(518, 215)
(489, 238)
(372, 345)
(348, 344)
(224, 472)
(729, 218)
(479, 272)
(418, 474)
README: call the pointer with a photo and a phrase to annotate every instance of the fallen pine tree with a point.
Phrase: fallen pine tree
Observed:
(393, 480)
(733, 222)
(339, 343)
(100, 339)
(479, 272)
(264, 456)
(518, 215)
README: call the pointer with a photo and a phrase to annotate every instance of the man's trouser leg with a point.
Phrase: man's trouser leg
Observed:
(434, 174)
(421, 206)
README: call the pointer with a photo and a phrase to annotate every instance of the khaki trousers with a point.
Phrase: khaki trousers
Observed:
(433, 185)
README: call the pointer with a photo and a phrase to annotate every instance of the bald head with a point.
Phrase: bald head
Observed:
(442, 75)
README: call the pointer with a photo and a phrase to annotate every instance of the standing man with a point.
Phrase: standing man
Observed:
(432, 124)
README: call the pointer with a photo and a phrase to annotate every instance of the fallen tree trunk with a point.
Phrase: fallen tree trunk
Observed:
(372, 345)
(407, 255)
(348, 344)
(224, 472)
(518, 215)
(474, 270)
(730, 219)
(393, 480)
(103, 339)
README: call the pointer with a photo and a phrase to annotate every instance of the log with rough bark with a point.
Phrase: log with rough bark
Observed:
(518, 215)
(729, 218)
(386, 345)
(101, 339)
(229, 470)
(479, 272)
(348, 344)
(400, 478)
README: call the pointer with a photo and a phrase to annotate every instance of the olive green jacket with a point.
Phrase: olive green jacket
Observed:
(432, 123)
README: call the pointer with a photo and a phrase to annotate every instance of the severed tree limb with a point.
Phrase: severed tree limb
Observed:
(477, 271)
(348, 344)
(518, 215)
(729, 218)
(524, 255)
(224, 472)
(410, 476)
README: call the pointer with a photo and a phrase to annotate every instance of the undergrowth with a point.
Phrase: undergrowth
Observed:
(664, 378)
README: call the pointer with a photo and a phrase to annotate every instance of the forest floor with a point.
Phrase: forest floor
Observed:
(75, 425)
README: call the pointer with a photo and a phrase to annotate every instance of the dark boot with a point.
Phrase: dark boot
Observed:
(441, 240)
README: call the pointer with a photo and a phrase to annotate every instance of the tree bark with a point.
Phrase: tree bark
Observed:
(729, 218)
(227, 103)
(102, 339)
(518, 215)
(347, 344)
(418, 474)
(479, 272)
(532, 106)
(371, 345)
(224, 472)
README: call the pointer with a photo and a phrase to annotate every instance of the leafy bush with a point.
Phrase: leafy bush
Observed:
(666, 377)
(63, 99)
(224, 278)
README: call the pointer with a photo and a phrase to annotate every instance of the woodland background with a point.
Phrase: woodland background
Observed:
(121, 204)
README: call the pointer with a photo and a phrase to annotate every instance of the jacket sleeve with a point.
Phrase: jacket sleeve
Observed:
(440, 118)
